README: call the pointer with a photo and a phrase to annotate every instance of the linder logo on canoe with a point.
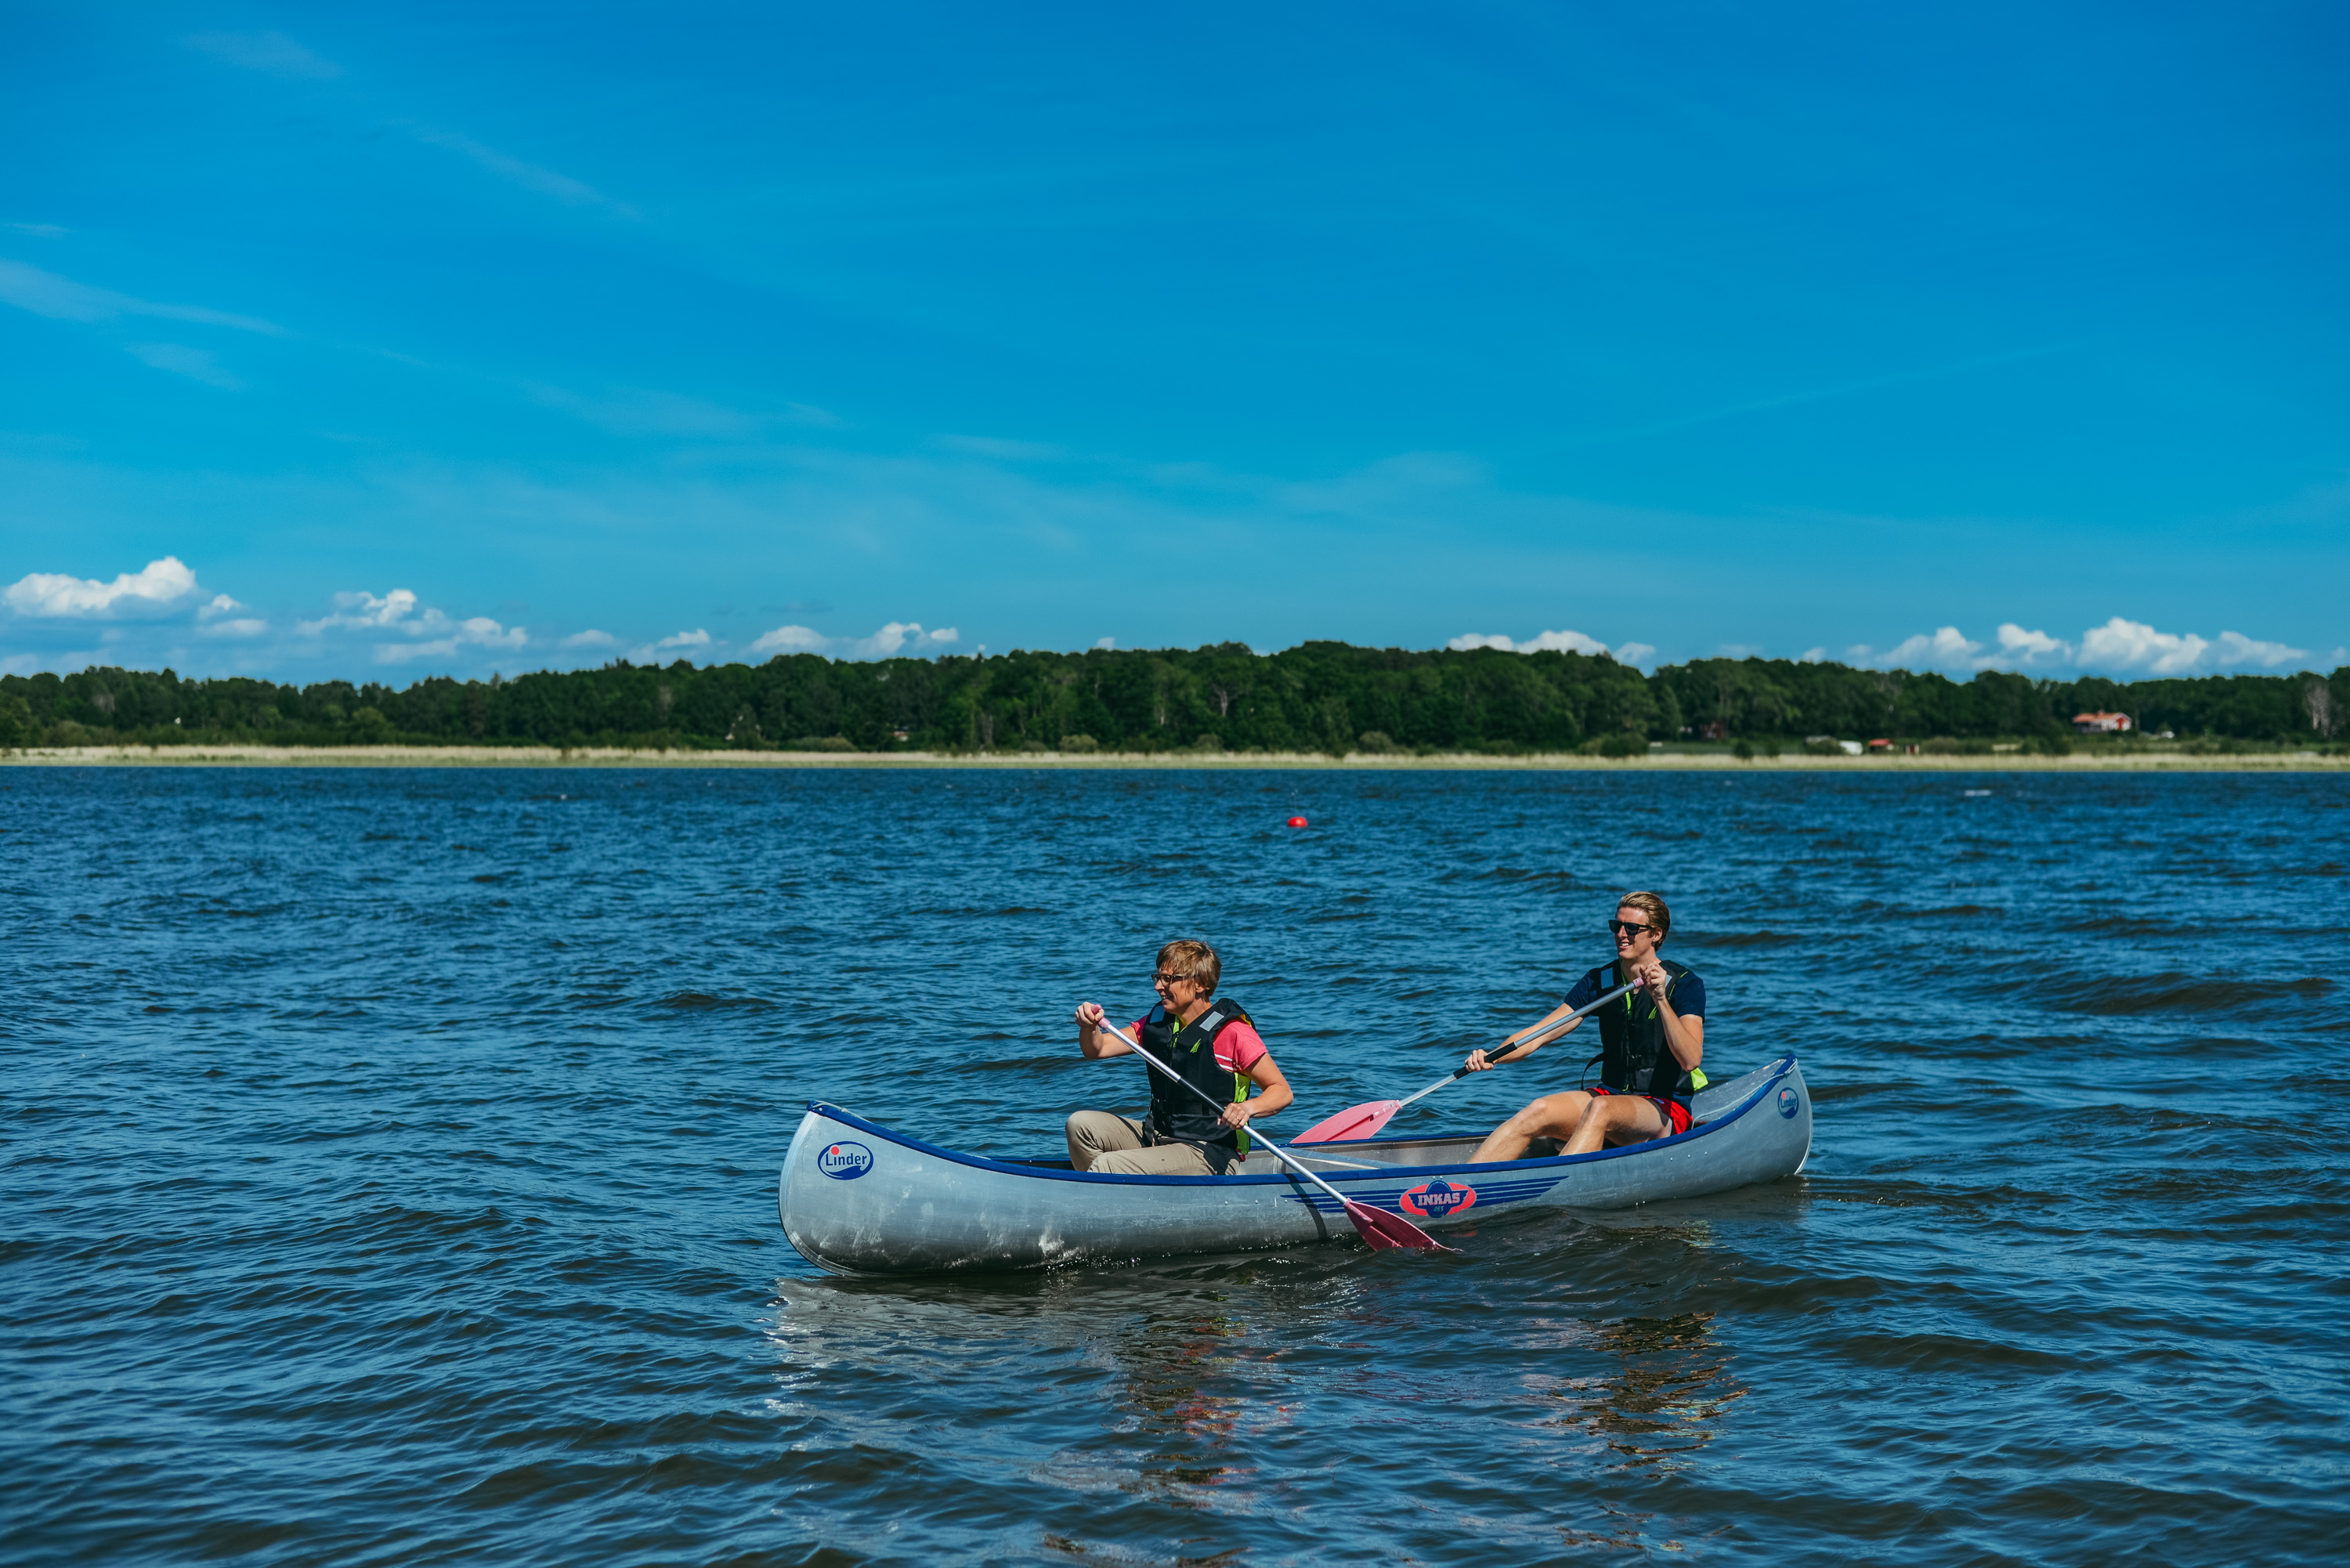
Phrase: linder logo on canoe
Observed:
(844, 1162)
(1437, 1198)
(1789, 1103)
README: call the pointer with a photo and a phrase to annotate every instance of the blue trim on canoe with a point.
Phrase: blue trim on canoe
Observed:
(1339, 1179)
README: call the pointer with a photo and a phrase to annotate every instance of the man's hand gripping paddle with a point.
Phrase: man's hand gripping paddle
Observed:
(1366, 1119)
(1379, 1228)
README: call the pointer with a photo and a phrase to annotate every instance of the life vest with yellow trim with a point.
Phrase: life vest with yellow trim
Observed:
(1176, 1115)
(1633, 1056)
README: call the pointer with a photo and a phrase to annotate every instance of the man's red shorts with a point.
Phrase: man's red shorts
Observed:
(1675, 1114)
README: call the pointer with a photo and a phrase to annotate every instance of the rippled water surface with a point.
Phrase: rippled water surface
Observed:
(390, 1162)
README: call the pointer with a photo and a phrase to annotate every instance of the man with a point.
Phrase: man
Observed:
(1651, 1041)
(1215, 1048)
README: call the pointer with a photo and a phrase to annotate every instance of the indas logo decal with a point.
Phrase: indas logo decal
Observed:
(844, 1162)
(1434, 1199)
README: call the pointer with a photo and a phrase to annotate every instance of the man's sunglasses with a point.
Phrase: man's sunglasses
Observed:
(1628, 927)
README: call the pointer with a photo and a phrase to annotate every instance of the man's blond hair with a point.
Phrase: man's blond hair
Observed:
(1187, 960)
(1652, 905)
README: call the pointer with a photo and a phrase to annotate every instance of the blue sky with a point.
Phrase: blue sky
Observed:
(450, 338)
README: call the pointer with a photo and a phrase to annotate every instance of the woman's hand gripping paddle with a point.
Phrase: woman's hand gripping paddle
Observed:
(1377, 1226)
(1366, 1119)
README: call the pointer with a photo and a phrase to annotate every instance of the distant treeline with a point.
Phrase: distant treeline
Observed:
(1320, 697)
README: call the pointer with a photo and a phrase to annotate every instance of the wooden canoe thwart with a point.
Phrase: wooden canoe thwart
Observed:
(858, 1198)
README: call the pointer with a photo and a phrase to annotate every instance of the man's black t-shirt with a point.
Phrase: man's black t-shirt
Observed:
(1688, 995)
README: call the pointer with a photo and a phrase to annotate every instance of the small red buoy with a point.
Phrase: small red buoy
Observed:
(1296, 822)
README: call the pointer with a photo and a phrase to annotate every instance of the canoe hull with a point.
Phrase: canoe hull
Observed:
(859, 1199)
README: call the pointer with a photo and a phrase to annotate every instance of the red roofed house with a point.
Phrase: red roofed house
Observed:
(2102, 723)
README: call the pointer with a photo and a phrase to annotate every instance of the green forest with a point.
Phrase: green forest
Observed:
(1319, 697)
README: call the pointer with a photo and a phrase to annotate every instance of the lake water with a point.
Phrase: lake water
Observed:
(390, 1161)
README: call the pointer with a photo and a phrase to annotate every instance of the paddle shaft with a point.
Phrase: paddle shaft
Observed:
(1548, 1035)
(1271, 1147)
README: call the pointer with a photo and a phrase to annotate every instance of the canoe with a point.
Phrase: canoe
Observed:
(859, 1198)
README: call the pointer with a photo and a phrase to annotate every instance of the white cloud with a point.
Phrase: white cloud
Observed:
(273, 52)
(361, 609)
(1105, 642)
(590, 639)
(2235, 647)
(790, 640)
(62, 299)
(41, 231)
(899, 637)
(1551, 641)
(479, 631)
(1946, 648)
(676, 642)
(210, 623)
(2027, 649)
(47, 594)
(196, 363)
(2122, 644)
(1812, 656)
(529, 176)
(435, 633)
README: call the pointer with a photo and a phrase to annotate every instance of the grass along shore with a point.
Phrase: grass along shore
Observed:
(2100, 759)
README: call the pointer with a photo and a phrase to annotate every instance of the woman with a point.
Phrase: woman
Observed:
(1652, 1041)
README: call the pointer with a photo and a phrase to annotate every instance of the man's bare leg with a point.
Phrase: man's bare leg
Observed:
(1553, 1115)
(1615, 1119)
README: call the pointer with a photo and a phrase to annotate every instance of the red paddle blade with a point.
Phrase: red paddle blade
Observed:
(1383, 1229)
(1354, 1121)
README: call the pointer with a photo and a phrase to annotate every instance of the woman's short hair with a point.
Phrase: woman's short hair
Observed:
(1187, 960)
(1652, 905)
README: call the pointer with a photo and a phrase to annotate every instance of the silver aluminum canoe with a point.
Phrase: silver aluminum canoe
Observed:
(856, 1198)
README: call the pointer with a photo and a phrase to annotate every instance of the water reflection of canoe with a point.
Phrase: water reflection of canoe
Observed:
(858, 1198)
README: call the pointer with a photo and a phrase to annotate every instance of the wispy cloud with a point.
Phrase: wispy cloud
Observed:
(62, 299)
(156, 586)
(591, 639)
(272, 54)
(1007, 451)
(529, 176)
(196, 363)
(1817, 395)
(638, 411)
(41, 231)
(899, 637)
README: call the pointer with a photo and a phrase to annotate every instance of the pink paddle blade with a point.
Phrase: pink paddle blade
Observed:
(1384, 1230)
(1354, 1121)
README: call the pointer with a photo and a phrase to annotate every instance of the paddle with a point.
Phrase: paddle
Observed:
(1377, 1226)
(1367, 1118)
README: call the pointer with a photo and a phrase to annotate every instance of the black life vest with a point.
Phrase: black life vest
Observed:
(1633, 1056)
(1179, 1115)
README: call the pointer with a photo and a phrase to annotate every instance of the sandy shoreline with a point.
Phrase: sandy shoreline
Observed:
(551, 756)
